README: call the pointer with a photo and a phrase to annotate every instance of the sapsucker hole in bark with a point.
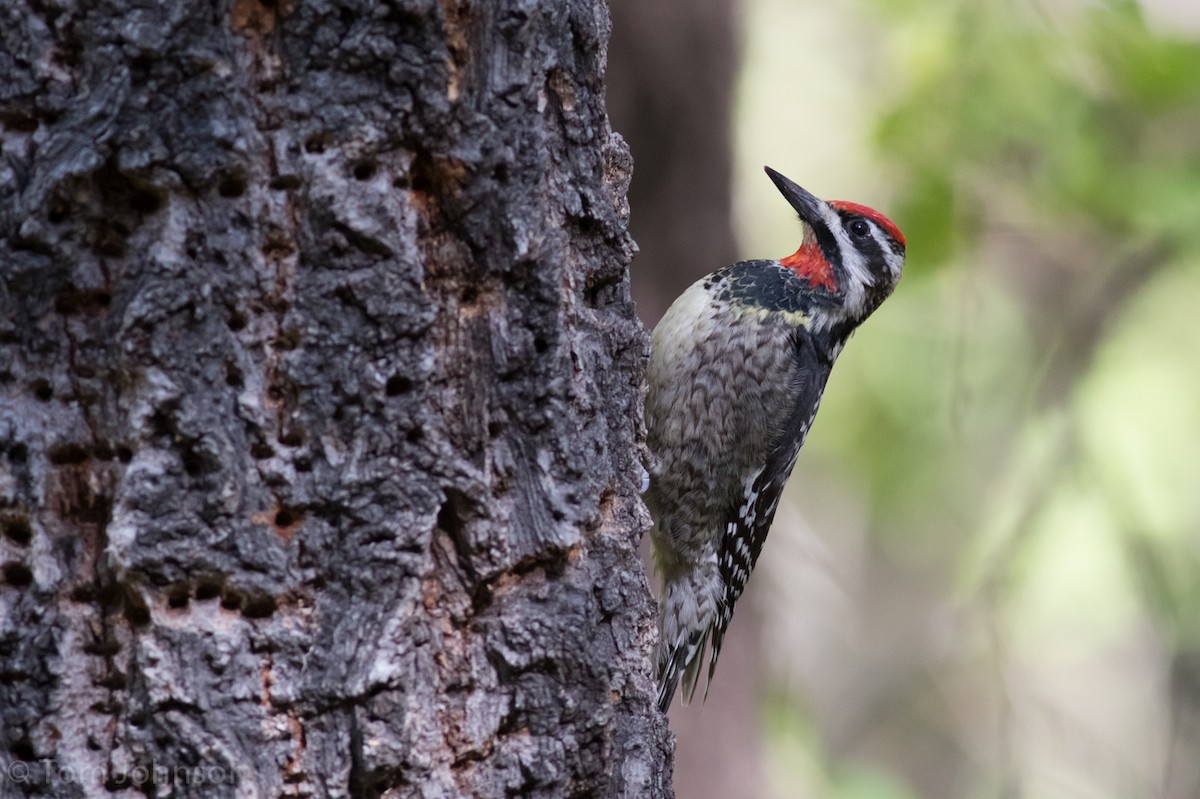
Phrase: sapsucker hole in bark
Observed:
(398, 384)
(232, 186)
(107, 595)
(452, 518)
(208, 589)
(232, 599)
(285, 182)
(286, 517)
(19, 122)
(58, 213)
(177, 597)
(316, 143)
(145, 201)
(22, 749)
(17, 530)
(67, 455)
(364, 170)
(259, 606)
(142, 63)
(71, 52)
(194, 463)
(118, 782)
(18, 575)
(41, 389)
(136, 611)
(236, 321)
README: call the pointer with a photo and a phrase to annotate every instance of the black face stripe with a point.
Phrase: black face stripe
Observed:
(871, 250)
(829, 248)
(828, 243)
(868, 245)
(873, 254)
(847, 216)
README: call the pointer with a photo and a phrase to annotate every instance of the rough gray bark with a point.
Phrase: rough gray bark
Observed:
(318, 404)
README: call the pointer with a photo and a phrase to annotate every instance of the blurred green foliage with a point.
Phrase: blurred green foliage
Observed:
(1091, 122)
(1080, 139)
(1021, 422)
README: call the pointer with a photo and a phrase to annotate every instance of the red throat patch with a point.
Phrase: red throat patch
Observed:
(809, 263)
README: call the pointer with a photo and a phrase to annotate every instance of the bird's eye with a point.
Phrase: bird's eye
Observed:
(860, 228)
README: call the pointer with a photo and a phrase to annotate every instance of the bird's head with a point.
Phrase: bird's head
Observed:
(851, 257)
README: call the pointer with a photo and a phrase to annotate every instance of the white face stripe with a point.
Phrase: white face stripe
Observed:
(878, 236)
(893, 260)
(853, 262)
(858, 283)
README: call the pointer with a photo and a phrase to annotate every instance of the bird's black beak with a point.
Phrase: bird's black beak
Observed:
(806, 205)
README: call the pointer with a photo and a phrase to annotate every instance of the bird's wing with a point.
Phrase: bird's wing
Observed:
(749, 518)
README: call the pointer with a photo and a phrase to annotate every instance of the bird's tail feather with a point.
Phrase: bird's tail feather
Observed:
(681, 668)
(687, 621)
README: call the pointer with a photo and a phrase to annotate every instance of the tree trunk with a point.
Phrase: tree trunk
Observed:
(319, 417)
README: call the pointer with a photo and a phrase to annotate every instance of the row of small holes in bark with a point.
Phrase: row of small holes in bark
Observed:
(252, 604)
(43, 391)
(151, 200)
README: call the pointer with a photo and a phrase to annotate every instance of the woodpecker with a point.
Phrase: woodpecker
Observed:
(737, 367)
